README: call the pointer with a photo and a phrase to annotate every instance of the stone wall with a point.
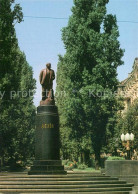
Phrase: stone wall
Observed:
(123, 169)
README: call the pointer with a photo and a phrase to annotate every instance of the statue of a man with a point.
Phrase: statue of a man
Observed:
(47, 76)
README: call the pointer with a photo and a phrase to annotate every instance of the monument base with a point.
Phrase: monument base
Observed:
(47, 142)
(45, 167)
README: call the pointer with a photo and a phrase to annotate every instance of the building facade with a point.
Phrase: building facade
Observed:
(129, 87)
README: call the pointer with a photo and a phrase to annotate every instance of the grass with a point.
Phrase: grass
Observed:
(87, 170)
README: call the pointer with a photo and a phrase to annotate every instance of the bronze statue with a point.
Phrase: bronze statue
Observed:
(46, 77)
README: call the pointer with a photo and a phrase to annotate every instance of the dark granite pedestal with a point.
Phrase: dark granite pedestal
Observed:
(47, 144)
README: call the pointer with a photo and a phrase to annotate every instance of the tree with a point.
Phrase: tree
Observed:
(16, 78)
(88, 71)
(128, 122)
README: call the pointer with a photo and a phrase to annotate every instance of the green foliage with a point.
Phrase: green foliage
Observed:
(131, 119)
(128, 122)
(82, 166)
(69, 165)
(64, 162)
(87, 75)
(88, 170)
(16, 79)
(115, 158)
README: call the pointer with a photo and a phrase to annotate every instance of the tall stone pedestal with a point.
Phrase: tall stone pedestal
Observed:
(47, 144)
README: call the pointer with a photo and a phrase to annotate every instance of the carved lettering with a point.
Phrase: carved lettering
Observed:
(47, 126)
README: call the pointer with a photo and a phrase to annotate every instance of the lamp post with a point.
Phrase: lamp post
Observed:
(127, 143)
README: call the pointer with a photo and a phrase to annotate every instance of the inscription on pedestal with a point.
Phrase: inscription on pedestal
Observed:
(47, 126)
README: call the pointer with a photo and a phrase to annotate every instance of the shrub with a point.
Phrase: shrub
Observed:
(65, 162)
(115, 158)
(82, 166)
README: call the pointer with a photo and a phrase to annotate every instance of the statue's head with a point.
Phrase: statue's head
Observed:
(48, 65)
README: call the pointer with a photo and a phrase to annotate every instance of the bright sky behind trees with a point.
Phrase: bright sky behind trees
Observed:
(40, 36)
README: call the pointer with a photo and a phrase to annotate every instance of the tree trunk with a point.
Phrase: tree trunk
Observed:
(87, 157)
(97, 159)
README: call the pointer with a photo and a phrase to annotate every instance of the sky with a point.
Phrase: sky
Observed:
(39, 35)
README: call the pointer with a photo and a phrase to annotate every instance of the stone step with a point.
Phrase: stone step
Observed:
(58, 179)
(99, 186)
(59, 182)
(39, 192)
(84, 172)
(70, 183)
(68, 190)
(107, 192)
(53, 176)
(46, 172)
